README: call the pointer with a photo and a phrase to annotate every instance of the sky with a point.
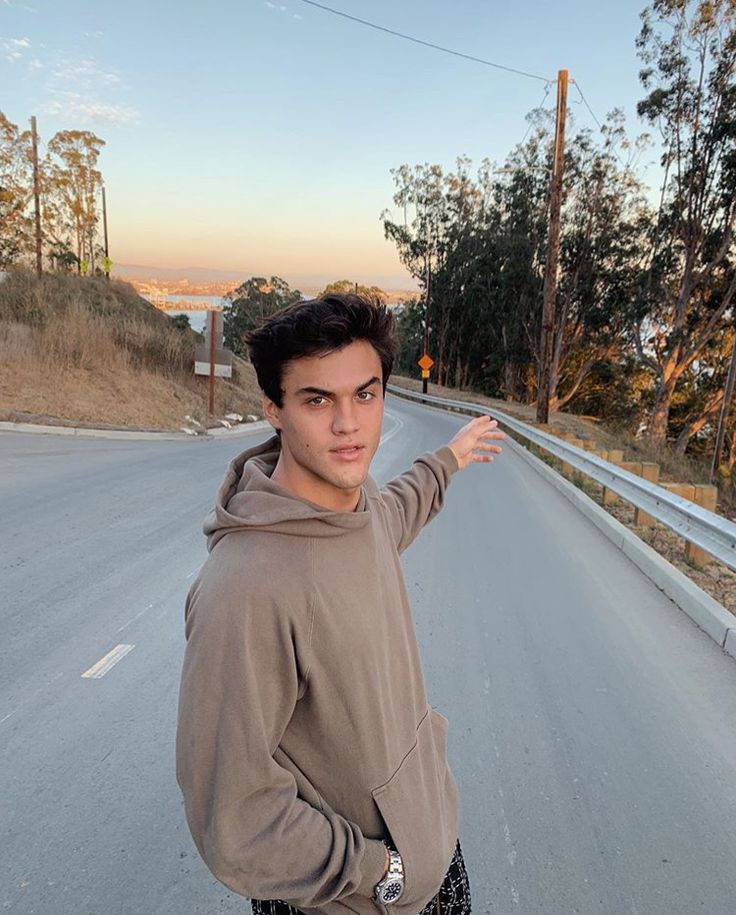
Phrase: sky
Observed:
(258, 135)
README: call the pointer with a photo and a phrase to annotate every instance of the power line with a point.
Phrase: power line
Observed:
(585, 102)
(544, 99)
(427, 44)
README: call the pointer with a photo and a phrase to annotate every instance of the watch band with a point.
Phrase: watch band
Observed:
(391, 887)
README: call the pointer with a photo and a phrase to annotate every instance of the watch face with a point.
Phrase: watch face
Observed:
(392, 891)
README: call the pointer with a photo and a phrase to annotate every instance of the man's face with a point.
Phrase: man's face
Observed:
(330, 403)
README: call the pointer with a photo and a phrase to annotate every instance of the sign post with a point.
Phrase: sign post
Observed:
(213, 354)
(425, 364)
(211, 358)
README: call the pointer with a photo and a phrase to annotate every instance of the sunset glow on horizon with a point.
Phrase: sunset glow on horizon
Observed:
(261, 138)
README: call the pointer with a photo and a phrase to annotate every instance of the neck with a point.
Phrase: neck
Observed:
(315, 490)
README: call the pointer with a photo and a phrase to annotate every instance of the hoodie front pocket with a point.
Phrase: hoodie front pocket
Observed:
(419, 804)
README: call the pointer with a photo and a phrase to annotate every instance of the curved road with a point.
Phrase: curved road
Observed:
(591, 723)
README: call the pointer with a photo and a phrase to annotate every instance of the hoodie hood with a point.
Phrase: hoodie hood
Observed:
(249, 499)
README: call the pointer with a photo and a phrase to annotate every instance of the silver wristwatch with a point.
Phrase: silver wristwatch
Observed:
(391, 887)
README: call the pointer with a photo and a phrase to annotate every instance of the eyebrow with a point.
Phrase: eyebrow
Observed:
(324, 393)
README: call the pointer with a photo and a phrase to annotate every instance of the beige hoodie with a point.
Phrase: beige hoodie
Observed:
(304, 734)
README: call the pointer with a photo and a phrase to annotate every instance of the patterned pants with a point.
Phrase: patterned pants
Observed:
(453, 897)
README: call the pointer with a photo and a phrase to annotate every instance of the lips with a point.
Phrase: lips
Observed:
(348, 452)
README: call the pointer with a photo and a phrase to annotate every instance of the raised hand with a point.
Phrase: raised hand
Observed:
(476, 436)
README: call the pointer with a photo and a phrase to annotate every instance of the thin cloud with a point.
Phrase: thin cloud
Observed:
(35, 64)
(13, 49)
(86, 73)
(79, 90)
(77, 109)
(281, 9)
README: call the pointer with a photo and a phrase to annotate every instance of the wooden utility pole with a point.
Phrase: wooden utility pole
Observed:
(723, 418)
(426, 320)
(213, 356)
(553, 253)
(36, 196)
(104, 225)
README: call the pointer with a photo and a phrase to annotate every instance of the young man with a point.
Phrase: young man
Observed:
(314, 773)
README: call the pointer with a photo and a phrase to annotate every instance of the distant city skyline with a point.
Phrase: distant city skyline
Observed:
(258, 136)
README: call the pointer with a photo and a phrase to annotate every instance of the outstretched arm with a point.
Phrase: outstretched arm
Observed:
(416, 496)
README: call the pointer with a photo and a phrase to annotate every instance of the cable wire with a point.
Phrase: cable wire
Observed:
(427, 44)
(544, 99)
(585, 102)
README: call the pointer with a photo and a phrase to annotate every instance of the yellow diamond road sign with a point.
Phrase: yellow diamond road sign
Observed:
(426, 362)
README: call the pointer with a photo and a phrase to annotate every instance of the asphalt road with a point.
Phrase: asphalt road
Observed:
(591, 723)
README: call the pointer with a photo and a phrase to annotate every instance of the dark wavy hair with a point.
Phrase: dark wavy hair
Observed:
(317, 326)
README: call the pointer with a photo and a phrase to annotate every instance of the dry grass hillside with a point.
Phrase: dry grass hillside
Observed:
(82, 351)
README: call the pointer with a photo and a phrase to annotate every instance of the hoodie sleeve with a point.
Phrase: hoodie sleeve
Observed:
(245, 664)
(416, 496)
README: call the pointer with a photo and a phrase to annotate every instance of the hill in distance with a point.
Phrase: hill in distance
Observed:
(206, 281)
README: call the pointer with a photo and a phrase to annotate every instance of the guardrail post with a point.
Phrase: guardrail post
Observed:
(567, 469)
(536, 449)
(650, 472)
(615, 456)
(706, 495)
(632, 467)
(684, 491)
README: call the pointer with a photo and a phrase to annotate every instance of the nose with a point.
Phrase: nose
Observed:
(345, 420)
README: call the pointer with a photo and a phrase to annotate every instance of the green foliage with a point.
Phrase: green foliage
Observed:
(341, 287)
(410, 333)
(687, 294)
(181, 322)
(644, 298)
(69, 182)
(250, 305)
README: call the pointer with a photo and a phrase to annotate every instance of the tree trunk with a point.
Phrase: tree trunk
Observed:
(687, 432)
(659, 417)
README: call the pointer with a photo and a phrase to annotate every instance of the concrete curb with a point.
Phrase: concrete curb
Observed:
(240, 429)
(710, 616)
(222, 432)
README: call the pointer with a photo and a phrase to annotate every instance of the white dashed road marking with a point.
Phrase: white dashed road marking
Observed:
(109, 661)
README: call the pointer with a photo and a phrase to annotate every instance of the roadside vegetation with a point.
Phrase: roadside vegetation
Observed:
(644, 327)
(85, 351)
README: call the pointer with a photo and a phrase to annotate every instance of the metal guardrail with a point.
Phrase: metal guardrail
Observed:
(713, 533)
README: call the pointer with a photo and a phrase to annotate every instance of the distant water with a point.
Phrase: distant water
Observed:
(197, 319)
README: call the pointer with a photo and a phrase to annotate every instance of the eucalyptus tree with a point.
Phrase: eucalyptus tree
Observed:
(689, 55)
(16, 229)
(248, 306)
(71, 184)
(371, 293)
(604, 221)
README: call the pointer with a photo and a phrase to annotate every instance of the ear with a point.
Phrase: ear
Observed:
(271, 412)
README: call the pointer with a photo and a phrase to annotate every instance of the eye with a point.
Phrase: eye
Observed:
(370, 395)
(317, 397)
